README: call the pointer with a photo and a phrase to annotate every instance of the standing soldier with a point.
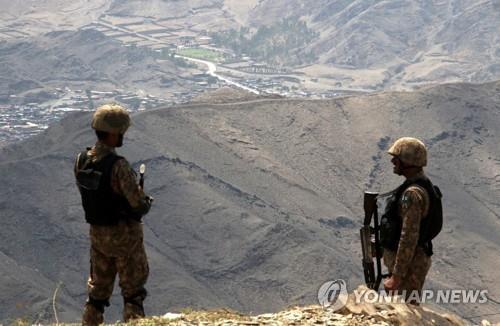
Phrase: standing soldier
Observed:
(114, 205)
(412, 218)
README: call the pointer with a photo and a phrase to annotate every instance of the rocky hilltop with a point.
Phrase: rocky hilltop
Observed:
(257, 203)
(352, 314)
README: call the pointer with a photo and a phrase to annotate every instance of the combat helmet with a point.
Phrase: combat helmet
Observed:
(112, 118)
(410, 151)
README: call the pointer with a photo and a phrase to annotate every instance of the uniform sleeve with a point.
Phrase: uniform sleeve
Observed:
(124, 182)
(412, 209)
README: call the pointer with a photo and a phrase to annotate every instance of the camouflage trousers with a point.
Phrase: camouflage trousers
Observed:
(415, 277)
(116, 250)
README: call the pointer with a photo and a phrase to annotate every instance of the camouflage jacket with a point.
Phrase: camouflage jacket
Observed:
(413, 206)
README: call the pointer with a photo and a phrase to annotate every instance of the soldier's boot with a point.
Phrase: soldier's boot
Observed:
(133, 308)
(93, 313)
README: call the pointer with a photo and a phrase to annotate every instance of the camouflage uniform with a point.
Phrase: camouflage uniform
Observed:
(410, 262)
(117, 249)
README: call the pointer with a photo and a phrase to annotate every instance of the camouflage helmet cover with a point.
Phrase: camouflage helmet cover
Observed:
(112, 118)
(410, 151)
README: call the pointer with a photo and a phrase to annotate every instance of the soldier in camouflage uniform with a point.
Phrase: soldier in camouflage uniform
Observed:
(113, 204)
(409, 262)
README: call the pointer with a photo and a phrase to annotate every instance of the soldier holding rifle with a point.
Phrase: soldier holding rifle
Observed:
(412, 218)
(114, 205)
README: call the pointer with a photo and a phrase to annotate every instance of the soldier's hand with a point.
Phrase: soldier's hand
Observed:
(392, 283)
(144, 205)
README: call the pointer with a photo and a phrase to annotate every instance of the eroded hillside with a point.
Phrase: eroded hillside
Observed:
(257, 203)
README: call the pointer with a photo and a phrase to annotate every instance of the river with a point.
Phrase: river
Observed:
(212, 68)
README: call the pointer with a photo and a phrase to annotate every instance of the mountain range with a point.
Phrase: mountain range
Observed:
(361, 44)
(258, 202)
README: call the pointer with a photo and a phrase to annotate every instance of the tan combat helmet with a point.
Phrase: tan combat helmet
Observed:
(112, 118)
(410, 151)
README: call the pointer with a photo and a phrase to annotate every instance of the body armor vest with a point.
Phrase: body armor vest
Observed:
(101, 204)
(430, 225)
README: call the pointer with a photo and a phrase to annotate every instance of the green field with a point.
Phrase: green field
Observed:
(203, 54)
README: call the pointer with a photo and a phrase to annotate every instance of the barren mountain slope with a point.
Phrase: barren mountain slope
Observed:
(258, 203)
(159, 8)
(85, 59)
(32, 18)
(416, 42)
(362, 44)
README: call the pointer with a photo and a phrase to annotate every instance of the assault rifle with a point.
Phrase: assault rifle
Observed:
(370, 242)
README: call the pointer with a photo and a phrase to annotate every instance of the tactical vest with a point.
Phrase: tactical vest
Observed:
(430, 225)
(101, 204)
